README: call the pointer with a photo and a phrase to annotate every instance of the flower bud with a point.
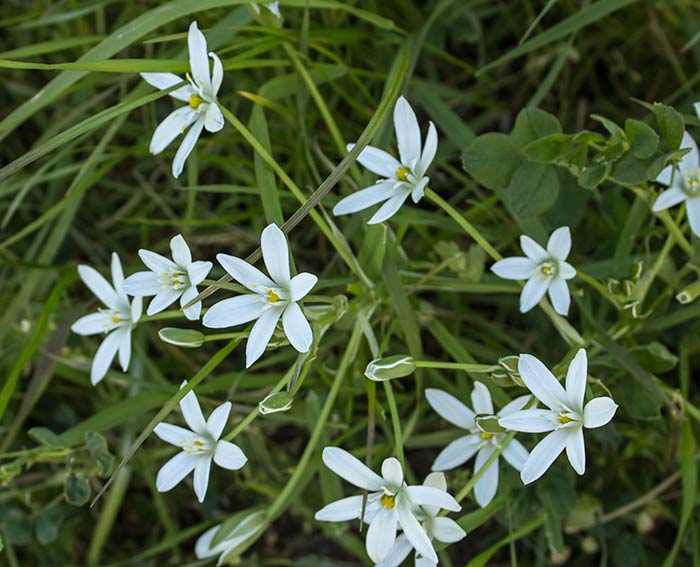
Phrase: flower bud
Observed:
(188, 338)
(390, 367)
(279, 401)
(689, 294)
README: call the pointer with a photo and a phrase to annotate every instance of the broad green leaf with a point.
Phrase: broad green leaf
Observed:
(533, 124)
(671, 124)
(492, 159)
(533, 190)
(76, 490)
(548, 148)
(643, 140)
(630, 170)
(593, 175)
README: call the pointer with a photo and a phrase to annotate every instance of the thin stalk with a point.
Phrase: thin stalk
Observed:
(467, 367)
(395, 422)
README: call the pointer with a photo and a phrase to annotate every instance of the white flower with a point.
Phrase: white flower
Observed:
(273, 297)
(683, 182)
(390, 505)
(118, 319)
(202, 110)
(169, 279)
(437, 527)
(565, 418)
(544, 270)
(399, 178)
(246, 527)
(273, 7)
(477, 442)
(200, 445)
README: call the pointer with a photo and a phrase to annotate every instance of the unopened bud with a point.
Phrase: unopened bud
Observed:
(690, 293)
(390, 367)
(279, 401)
(188, 338)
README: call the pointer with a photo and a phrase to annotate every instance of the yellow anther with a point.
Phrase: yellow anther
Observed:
(388, 501)
(486, 436)
(272, 297)
(547, 269)
(402, 173)
(116, 319)
(565, 419)
(195, 101)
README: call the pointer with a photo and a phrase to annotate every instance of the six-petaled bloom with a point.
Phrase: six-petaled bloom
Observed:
(202, 109)
(169, 280)
(399, 178)
(391, 505)
(273, 297)
(200, 445)
(545, 271)
(565, 418)
(118, 320)
(477, 442)
(683, 182)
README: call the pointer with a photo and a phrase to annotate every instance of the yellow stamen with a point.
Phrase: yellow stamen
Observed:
(272, 297)
(486, 436)
(195, 101)
(116, 319)
(565, 419)
(547, 269)
(402, 173)
(388, 501)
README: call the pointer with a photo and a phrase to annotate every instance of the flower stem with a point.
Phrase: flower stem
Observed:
(467, 367)
(395, 422)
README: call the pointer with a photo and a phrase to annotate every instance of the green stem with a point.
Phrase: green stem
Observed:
(467, 367)
(395, 422)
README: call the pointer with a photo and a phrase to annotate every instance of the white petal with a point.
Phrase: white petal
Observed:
(429, 150)
(186, 147)
(566, 270)
(193, 311)
(163, 299)
(576, 450)
(364, 198)
(198, 271)
(436, 480)
(431, 496)
(92, 324)
(136, 309)
(163, 81)
(381, 534)
(142, 284)
(559, 244)
(201, 477)
(514, 268)
(533, 250)
(423, 562)
(245, 274)
(300, 285)
(486, 486)
(180, 251)
(696, 106)
(99, 286)
(171, 127)
(118, 278)
(414, 531)
(213, 119)
(229, 456)
(234, 311)
(398, 553)
(172, 433)
(560, 296)
(529, 421)
(693, 211)
(377, 161)
(666, 175)
(450, 408)
(543, 455)
(515, 454)
(124, 347)
(350, 468)
(104, 356)
(297, 328)
(669, 198)
(275, 251)
(260, 334)
(419, 189)
(514, 405)
(217, 74)
(691, 160)
(533, 291)
(389, 209)
(172, 472)
(598, 412)
(202, 547)
(199, 62)
(457, 452)
(481, 399)
(407, 132)
(447, 530)
(541, 382)
(341, 510)
(217, 420)
(155, 262)
(576, 377)
(392, 472)
(189, 405)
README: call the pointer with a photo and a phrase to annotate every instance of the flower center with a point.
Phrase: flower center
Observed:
(388, 501)
(547, 269)
(272, 297)
(116, 319)
(402, 173)
(692, 184)
(174, 279)
(195, 446)
(486, 436)
(195, 101)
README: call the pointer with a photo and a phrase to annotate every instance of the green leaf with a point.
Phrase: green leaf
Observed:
(643, 140)
(533, 124)
(16, 525)
(76, 490)
(45, 436)
(492, 159)
(617, 133)
(188, 338)
(48, 524)
(655, 357)
(97, 447)
(549, 148)
(593, 175)
(533, 189)
(671, 124)
(630, 170)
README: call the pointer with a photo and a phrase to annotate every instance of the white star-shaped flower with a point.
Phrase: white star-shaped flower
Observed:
(391, 505)
(202, 110)
(683, 182)
(399, 178)
(439, 528)
(169, 280)
(273, 297)
(545, 271)
(477, 442)
(565, 418)
(118, 320)
(200, 445)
